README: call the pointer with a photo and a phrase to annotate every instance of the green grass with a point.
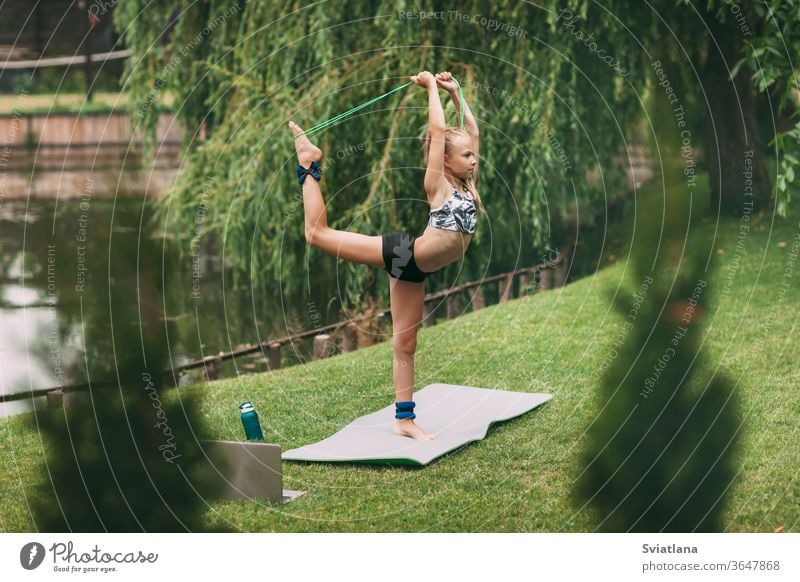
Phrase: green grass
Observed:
(72, 103)
(517, 479)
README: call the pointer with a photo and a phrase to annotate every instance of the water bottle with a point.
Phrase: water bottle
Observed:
(252, 429)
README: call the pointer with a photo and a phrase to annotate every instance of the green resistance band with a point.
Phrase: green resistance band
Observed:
(331, 121)
(460, 102)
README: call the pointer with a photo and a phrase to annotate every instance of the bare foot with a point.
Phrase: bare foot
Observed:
(407, 428)
(307, 152)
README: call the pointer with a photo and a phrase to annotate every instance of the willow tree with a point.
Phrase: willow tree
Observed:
(556, 88)
(737, 62)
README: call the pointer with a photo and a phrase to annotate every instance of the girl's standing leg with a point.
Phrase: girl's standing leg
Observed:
(407, 299)
(351, 246)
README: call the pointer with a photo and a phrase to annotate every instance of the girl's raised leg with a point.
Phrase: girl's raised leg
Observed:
(406, 297)
(351, 246)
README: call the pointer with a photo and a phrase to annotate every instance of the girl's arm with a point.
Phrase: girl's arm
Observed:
(446, 82)
(434, 174)
(470, 125)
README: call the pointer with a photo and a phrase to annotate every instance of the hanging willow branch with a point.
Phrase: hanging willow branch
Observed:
(386, 158)
(254, 66)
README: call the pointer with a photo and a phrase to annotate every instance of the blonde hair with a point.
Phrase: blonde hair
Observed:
(448, 135)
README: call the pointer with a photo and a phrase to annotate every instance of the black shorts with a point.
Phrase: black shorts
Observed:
(398, 257)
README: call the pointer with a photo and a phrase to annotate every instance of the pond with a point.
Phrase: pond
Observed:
(52, 250)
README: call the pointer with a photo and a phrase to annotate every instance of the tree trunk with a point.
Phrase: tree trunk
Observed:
(731, 129)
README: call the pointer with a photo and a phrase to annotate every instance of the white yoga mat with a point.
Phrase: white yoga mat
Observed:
(457, 415)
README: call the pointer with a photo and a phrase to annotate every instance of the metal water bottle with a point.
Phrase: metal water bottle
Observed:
(252, 429)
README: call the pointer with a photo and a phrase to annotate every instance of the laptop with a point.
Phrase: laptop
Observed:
(248, 470)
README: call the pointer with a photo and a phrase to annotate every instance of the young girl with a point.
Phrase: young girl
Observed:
(451, 157)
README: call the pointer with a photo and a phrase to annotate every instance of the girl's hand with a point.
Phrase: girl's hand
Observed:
(424, 79)
(446, 82)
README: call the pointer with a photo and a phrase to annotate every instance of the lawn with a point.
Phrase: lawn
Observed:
(62, 102)
(517, 479)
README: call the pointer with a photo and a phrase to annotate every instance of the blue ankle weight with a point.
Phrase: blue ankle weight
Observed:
(313, 170)
(404, 410)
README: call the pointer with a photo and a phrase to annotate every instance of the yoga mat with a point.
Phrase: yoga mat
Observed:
(457, 415)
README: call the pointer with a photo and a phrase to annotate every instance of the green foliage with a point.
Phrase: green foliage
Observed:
(122, 458)
(263, 66)
(660, 453)
(549, 106)
(770, 35)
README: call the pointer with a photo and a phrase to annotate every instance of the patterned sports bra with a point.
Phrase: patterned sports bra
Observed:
(458, 214)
